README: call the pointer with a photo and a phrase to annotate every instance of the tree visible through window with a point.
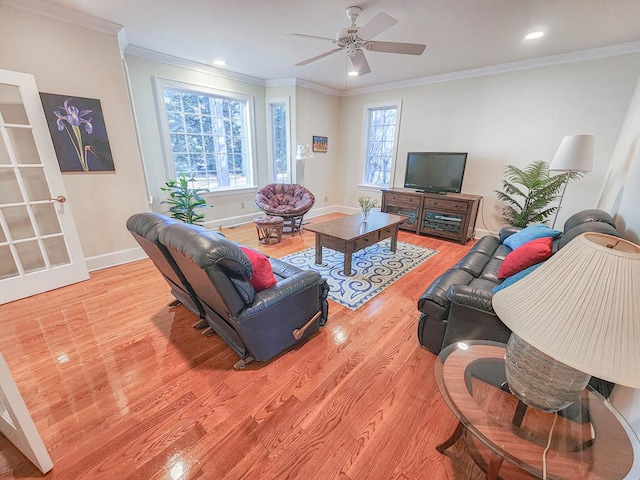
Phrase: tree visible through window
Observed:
(209, 138)
(280, 143)
(381, 135)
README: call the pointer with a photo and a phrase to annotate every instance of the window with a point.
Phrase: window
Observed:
(381, 135)
(208, 136)
(279, 144)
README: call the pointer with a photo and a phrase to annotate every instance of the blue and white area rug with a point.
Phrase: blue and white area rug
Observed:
(374, 269)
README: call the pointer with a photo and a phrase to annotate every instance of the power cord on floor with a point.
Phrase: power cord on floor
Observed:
(544, 454)
(481, 207)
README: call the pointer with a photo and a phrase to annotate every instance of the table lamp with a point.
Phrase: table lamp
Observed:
(303, 153)
(574, 155)
(575, 316)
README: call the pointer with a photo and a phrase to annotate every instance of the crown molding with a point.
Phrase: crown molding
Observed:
(64, 14)
(318, 88)
(281, 82)
(298, 82)
(579, 56)
(152, 55)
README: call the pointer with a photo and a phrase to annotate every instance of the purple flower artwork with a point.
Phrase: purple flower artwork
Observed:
(78, 132)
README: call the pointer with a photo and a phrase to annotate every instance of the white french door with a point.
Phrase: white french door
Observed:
(39, 245)
(17, 425)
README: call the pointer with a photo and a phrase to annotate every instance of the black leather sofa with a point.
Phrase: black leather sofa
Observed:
(209, 274)
(457, 304)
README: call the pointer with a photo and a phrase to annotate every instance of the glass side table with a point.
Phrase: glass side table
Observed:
(590, 439)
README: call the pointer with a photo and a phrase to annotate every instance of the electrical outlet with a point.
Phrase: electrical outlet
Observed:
(242, 205)
(326, 199)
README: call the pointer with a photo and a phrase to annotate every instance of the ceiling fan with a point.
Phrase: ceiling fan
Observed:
(356, 39)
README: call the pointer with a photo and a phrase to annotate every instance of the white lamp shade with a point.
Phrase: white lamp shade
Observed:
(575, 154)
(304, 152)
(582, 307)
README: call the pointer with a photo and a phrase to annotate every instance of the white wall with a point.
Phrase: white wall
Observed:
(71, 60)
(312, 113)
(318, 114)
(507, 118)
(232, 208)
(620, 196)
(515, 117)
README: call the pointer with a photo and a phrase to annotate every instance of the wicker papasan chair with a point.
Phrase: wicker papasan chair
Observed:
(289, 201)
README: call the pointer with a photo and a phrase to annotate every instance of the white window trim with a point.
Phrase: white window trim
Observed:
(286, 101)
(365, 143)
(170, 170)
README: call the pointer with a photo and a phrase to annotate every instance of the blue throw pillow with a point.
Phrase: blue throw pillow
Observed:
(514, 278)
(529, 233)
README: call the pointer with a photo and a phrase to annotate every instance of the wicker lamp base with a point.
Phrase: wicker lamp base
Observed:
(539, 380)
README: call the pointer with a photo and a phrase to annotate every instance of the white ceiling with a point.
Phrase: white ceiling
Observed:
(252, 35)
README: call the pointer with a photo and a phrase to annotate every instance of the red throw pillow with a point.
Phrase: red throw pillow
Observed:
(263, 276)
(529, 254)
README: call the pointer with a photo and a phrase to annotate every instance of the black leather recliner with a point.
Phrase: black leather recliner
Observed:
(256, 325)
(146, 228)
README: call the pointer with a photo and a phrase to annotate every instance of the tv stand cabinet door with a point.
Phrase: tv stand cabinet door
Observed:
(452, 216)
(404, 203)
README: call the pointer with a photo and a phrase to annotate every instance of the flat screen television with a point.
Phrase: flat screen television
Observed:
(435, 172)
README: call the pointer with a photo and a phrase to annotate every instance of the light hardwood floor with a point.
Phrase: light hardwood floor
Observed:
(121, 387)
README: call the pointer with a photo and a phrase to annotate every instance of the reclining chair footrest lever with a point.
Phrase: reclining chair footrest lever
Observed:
(299, 332)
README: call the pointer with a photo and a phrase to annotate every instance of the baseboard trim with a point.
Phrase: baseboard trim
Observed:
(137, 253)
(115, 258)
(133, 254)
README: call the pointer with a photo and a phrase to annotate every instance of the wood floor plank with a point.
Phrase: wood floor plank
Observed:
(121, 386)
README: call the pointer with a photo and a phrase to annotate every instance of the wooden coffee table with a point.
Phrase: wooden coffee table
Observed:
(350, 234)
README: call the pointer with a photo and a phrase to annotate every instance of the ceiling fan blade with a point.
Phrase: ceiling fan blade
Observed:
(396, 47)
(376, 26)
(310, 36)
(360, 63)
(318, 57)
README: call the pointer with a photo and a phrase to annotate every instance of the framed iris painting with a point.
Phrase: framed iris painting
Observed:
(78, 132)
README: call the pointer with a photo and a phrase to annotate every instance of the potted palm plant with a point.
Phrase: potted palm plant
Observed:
(528, 194)
(184, 200)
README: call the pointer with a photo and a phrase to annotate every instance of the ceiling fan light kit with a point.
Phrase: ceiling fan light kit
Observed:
(354, 40)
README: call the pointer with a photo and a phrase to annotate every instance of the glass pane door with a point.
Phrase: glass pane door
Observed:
(37, 235)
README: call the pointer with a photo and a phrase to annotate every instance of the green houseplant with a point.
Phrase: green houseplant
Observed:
(184, 200)
(366, 204)
(528, 193)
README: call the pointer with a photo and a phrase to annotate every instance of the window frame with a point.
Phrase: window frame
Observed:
(367, 109)
(286, 102)
(169, 163)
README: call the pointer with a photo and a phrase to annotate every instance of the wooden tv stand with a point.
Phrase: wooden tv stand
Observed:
(451, 215)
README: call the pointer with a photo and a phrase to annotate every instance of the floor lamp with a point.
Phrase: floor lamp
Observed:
(303, 153)
(575, 154)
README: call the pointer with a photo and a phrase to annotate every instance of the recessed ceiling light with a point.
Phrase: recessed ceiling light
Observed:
(353, 73)
(219, 63)
(534, 35)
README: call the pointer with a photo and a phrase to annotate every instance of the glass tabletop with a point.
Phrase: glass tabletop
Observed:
(589, 439)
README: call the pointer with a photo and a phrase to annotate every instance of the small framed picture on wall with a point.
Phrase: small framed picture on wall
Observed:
(319, 144)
